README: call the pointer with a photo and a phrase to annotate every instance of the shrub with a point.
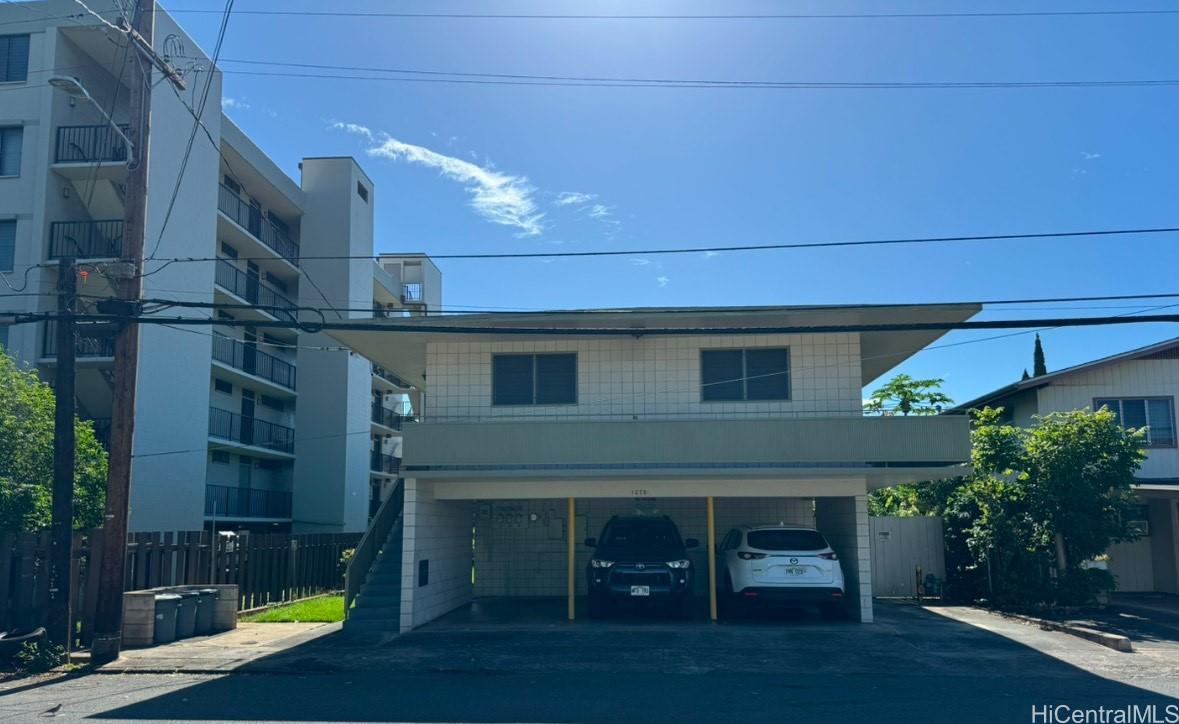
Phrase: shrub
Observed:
(37, 658)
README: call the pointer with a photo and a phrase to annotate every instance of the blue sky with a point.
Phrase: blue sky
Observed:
(468, 168)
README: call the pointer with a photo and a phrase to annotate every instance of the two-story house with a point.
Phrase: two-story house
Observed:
(1139, 386)
(538, 427)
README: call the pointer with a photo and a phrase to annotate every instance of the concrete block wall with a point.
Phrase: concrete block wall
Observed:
(437, 531)
(521, 545)
(844, 522)
(649, 377)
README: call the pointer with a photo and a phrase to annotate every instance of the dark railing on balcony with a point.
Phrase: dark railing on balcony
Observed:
(253, 290)
(384, 463)
(89, 144)
(250, 431)
(250, 217)
(411, 293)
(88, 344)
(389, 377)
(253, 361)
(224, 501)
(384, 416)
(86, 239)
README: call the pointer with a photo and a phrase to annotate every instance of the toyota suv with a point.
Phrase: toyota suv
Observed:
(640, 559)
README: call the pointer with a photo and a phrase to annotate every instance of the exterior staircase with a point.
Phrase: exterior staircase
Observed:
(372, 587)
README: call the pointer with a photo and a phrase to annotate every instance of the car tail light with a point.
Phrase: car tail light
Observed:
(746, 556)
(837, 594)
(829, 556)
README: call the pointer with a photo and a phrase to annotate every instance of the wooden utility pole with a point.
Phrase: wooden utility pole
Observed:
(62, 522)
(108, 620)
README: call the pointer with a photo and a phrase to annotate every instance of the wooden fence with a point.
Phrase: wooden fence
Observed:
(268, 568)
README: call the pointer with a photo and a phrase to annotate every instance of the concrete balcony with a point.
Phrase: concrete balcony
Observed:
(256, 227)
(881, 449)
(223, 501)
(86, 239)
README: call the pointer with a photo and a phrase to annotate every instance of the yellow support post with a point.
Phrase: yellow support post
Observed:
(572, 572)
(711, 559)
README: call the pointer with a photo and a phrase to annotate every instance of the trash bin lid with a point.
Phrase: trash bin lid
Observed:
(208, 591)
(167, 597)
(187, 594)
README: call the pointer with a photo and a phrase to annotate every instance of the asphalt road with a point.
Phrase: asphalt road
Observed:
(911, 666)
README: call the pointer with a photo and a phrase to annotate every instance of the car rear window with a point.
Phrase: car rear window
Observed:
(785, 540)
(653, 533)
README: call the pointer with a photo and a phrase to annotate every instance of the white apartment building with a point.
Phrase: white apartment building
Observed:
(265, 428)
(538, 427)
(1140, 387)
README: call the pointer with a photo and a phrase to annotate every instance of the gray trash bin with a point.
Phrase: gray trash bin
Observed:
(186, 614)
(165, 626)
(205, 610)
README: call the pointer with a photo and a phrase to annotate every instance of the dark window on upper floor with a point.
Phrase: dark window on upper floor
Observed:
(220, 456)
(277, 283)
(11, 138)
(228, 250)
(14, 58)
(222, 386)
(534, 379)
(745, 374)
(272, 402)
(233, 185)
(362, 192)
(1157, 414)
(7, 244)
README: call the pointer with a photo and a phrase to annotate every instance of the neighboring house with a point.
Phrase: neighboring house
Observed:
(538, 427)
(254, 428)
(1140, 386)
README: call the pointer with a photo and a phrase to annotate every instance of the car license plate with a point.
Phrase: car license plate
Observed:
(640, 590)
(795, 571)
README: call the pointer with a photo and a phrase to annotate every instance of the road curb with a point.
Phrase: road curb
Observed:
(1117, 642)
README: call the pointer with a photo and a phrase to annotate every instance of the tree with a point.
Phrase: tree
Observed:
(908, 396)
(1026, 376)
(1039, 369)
(26, 456)
(1049, 497)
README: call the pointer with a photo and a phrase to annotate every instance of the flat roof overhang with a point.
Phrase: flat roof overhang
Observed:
(400, 344)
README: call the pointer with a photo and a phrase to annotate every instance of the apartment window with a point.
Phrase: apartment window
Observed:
(222, 386)
(272, 402)
(10, 143)
(14, 58)
(273, 341)
(534, 379)
(1157, 414)
(277, 283)
(744, 374)
(228, 250)
(233, 186)
(362, 192)
(7, 244)
(220, 457)
(267, 464)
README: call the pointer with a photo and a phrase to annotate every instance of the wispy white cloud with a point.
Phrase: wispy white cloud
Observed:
(496, 196)
(1089, 156)
(574, 198)
(230, 103)
(637, 261)
(711, 254)
(662, 281)
(600, 211)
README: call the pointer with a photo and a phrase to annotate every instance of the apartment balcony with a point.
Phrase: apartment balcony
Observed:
(251, 432)
(880, 449)
(89, 346)
(249, 218)
(250, 289)
(90, 152)
(86, 239)
(385, 417)
(385, 380)
(384, 464)
(224, 501)
(246, 358)
(413, 294)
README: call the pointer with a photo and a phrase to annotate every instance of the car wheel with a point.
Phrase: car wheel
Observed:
(598, 607)
(833, 611)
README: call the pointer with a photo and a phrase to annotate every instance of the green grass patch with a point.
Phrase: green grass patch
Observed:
(326, 609)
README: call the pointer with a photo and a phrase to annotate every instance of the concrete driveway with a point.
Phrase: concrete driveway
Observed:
(913, 665)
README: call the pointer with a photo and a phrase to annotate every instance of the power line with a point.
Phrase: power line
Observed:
(733, 85)
(533, 79)
(743, 16)
(723, 249)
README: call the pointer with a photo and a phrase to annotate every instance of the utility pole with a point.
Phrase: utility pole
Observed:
(108, 620)
(62, 525)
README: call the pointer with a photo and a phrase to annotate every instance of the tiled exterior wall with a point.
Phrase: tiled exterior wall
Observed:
(648, 377)
(1135, 378)
(438, 532)
(521, 545)
(844, 521)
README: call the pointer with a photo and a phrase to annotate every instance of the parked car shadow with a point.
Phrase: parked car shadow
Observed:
(911, 665)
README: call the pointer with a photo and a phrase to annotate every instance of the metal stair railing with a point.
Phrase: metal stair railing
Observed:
(372, 543)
